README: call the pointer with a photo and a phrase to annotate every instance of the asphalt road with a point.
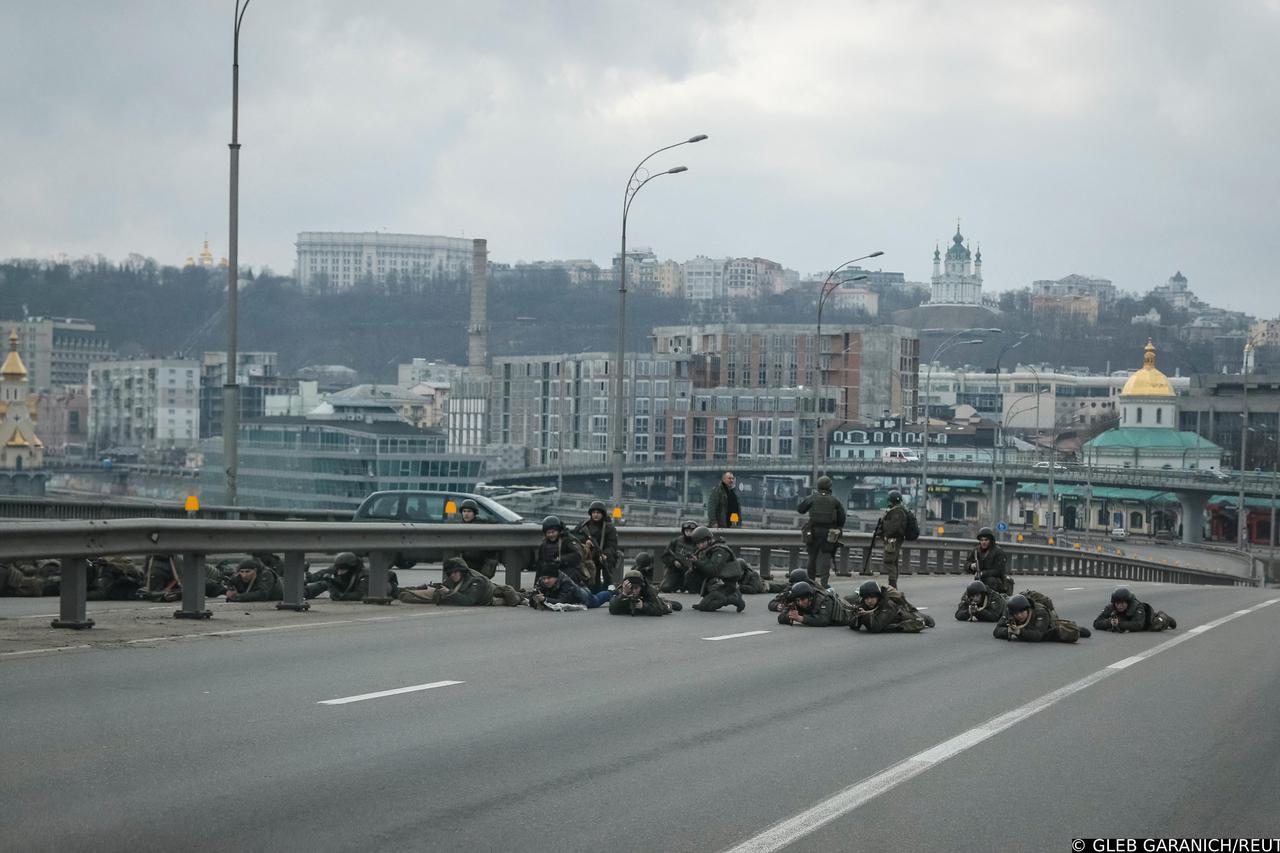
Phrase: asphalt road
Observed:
(582, 731)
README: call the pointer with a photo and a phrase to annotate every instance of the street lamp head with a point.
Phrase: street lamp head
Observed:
(675, 170)
(698, 138)
(875, 254)
(855, 278)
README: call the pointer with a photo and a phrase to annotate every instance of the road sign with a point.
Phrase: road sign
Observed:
(1002, 526)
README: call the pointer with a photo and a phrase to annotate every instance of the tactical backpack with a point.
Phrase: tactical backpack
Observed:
(913, 527)
(1041, 599)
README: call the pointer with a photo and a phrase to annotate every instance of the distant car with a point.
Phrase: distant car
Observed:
(423, 507)
(899, 454)
(1163, 534)
(1119, 533)
(1057, 466)
(1212, 474)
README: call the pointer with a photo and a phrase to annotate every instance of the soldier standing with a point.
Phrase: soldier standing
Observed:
(599, 531)
(720, 571)
(1126, 613)
(822, 532)
(990, 564)
(884, 610)
(892, 529)
(678, 561)
(723, 507)
(1028, 618)
(980, 604)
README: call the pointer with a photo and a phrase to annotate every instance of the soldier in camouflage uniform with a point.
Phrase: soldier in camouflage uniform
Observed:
(27, 580)
(484, 562)
(990, 564)
(1028, 618)
(637, 597)
(677, 560)
(254, 582)
(822, 531)
(162, 581)
(113, 579)
(720, 571)
(348, 579)
(884, 610)
(980, 604)
(1126, 613)
(815, 608)
(463, 586)
(892, 530)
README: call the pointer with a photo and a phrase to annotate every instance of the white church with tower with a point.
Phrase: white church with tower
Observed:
(957, 279)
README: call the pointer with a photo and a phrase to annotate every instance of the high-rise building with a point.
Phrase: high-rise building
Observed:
(704, 278)
(337, 260)
(958, 279)
(150, 404)
(58, 351)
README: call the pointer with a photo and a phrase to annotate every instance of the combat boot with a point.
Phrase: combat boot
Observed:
(1085, 633)
(928, 620)
(738, 602)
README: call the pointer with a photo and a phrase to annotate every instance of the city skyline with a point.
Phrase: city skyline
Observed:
(1069, 139)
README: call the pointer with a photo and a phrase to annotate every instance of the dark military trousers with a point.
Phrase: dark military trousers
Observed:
(721, 593)
(819, 567)
(892, 548)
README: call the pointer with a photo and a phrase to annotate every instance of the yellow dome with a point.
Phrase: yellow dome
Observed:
(13, 367)
(1147, 381)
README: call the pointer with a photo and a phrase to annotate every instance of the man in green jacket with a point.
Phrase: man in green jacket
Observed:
(822, 532)
(990, 564)
(980, 604)
(677, 561)
(884, 610)
(892, 530)
(1126, 613)
(815, 608)
(723, 507)
(254, 582)
(1030, 621)
(637, 597)
(720, 571)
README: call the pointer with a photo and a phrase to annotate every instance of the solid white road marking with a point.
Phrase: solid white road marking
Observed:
(735, 636)
(381, 693)
(792, 829)
(39, 651)
(1070, 588)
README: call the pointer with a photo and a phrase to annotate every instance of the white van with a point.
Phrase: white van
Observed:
(899, 454)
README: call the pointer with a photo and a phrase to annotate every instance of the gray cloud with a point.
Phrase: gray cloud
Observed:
(1125, 140)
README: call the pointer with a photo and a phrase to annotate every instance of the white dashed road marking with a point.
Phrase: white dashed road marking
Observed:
(736, 636)
(381, 693)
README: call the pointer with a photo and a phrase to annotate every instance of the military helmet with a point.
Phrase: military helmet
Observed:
(987, 533)
(250, 563)
(976, 588)
(1019, 603)
(552, 522)
(346, 560)
(1122, 593)
(798, 576)
(895, 497)
(456, 564)
(824, 484)
(633, 575)
(643, 560)
(597, 505)
(702, 534)
(803, 589)
(868, 589)
(688, 524)
(469, 504)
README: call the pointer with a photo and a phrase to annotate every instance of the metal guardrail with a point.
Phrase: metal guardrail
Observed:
(194, 541)
(53, 509)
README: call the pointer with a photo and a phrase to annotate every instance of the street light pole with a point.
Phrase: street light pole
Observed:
(828, 287)
(997, 497)
(928, 385)
(230, 389)
(616, 429)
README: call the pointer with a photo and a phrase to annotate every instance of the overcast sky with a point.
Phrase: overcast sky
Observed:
(1126, 140)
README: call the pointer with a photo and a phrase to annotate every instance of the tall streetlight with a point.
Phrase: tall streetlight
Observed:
(1053, 461)
(230, 389)
(928, 383)
(997, 499)
(829, 286)
(634, 184)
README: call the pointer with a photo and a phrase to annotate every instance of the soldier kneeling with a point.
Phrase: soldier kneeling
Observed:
(980, 604)
(637, 597)
(1030, 617)
(884, 610)
(1127, 613)
(815, 608)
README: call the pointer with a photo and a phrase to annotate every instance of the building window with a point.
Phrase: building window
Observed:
(1139, 414)
(1159, 412)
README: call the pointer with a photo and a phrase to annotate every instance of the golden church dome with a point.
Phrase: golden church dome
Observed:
(1147, 381)
(13, 367)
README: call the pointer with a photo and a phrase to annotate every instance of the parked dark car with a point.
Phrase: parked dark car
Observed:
(424, 507)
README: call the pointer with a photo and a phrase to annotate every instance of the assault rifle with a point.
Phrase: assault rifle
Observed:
(866, 557)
